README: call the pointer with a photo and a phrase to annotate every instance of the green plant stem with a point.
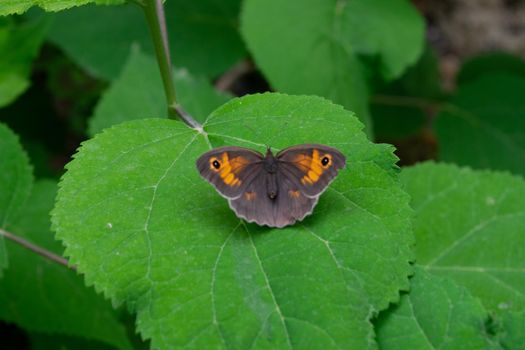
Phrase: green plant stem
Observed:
(154, 12)
(36, 249)
(425, 104)
(406, 101)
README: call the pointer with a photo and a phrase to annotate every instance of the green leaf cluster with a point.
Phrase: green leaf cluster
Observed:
(326, 43)
(205, 39)
(38, 294)
(429, 256)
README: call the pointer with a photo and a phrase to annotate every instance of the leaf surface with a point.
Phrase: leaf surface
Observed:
(483, 125)
(123, 101)
(43, 296)
(469, 226)
(145, 228)
(436, 314)
(318, 54)
(203, 36)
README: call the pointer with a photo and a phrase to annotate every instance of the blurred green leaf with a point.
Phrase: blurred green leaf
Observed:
(143, 226)
(313, 46)
(423, 78)
(43, 296)
(491, 63)
(19, 45)
(123, 101)
(483, 125)
(436, 314)
(203, 36)
(513, 330)
(16, 179)
(469, 226)
(399, 108)
(8, 7)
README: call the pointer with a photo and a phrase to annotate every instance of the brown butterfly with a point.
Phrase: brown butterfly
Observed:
(271, 190)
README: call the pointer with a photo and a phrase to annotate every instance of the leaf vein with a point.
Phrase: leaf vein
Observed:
(278, 309)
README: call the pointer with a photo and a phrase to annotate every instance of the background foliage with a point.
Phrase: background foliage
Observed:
(418, 246)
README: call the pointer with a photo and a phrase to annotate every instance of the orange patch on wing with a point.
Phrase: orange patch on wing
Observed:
(250, 196)
(306, 181)
(312, 165)
(228, 169)
(294, 194)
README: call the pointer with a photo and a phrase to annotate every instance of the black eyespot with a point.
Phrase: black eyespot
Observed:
(325, 161)
(216, 164)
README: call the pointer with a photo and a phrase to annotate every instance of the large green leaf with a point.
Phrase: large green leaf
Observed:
(16, 179)
(469, 226)
(8, 7)
(313, 46)
(123, 101)
(19, 46)
(145, 228)
(483, 126)
(203, 36)
(436, 314)
(43, 296)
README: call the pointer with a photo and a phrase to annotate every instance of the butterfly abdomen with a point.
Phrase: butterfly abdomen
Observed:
(272, 187)
(271, 165)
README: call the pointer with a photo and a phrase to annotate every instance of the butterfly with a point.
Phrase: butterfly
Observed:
(270, 190)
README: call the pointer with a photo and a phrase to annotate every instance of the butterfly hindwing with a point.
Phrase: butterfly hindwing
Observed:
(311, 167)
(230, 169)
(289, 206)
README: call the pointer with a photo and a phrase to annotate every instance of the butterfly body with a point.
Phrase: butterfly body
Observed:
(272, 190)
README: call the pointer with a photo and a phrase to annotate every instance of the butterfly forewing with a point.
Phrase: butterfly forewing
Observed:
(311, 167)
(230, 169)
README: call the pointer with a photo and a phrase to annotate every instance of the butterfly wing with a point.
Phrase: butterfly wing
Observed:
(230, 169)
(311, 167)
(289, 206)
